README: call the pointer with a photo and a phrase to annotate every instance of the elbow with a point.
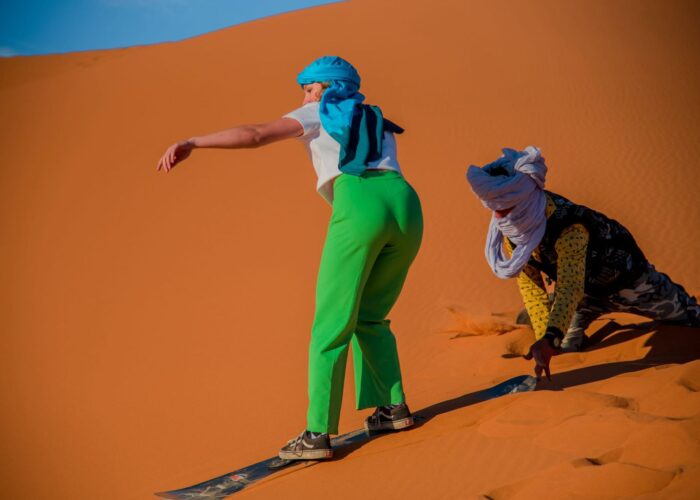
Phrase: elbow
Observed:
(254, 138)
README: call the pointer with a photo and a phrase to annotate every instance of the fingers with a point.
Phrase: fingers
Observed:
(542, 358)
(539, 359)
(543, 368)
(538, 372)
(542, 361)
(167, 162)
(163, 164)
(173, 155)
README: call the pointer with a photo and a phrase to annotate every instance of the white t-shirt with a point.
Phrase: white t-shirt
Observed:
(325, 151)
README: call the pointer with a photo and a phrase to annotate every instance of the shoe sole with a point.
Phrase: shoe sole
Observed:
(306, 455)
(394, 425)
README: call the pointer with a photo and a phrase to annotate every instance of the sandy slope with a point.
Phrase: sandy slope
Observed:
(618, 421)
(154, 328)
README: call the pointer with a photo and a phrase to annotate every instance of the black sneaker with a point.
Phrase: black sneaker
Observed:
(307, 446)
(389, 418)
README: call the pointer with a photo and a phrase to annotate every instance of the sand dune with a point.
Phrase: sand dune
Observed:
(608, 426)
(155, 327)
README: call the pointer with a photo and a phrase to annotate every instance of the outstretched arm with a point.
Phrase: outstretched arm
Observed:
(244, 136)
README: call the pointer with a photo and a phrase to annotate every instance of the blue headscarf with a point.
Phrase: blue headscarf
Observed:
(357, 127)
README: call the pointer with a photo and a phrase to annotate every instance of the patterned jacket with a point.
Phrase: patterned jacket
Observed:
(583, 251)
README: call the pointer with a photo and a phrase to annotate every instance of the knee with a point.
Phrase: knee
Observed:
(326, 340)
(373, 328)
(370, 322)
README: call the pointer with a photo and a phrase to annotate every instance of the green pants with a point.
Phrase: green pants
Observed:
(373, 236)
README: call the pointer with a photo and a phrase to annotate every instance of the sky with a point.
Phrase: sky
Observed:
(30, 27)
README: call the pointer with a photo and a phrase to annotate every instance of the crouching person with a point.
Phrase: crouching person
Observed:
(594, 260)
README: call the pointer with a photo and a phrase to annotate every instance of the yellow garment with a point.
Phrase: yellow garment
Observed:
(571, 274)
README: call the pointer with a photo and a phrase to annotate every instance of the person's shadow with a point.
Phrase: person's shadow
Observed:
(668, 344)
(520, 383)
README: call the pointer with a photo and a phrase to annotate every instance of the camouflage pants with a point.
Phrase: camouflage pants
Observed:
(654, 296)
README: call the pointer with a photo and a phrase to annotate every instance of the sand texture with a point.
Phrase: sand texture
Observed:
(155, 327)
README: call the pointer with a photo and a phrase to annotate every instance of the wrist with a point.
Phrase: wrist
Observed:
(191, 143)
(554, 336)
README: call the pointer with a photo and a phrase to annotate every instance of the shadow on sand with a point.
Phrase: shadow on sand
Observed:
(230, 483)
(667, 343)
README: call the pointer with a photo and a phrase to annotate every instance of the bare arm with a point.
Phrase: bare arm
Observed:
(244, 136)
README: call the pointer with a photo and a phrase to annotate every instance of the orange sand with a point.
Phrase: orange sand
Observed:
(155, 327)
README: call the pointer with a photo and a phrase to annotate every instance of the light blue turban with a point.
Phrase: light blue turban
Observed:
(357, 127)
(515, 180)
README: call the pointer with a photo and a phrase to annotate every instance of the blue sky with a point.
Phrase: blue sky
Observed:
(29, 27)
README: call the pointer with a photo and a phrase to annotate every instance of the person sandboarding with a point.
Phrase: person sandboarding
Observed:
(374, 234)
(594, 261)
(230, 483)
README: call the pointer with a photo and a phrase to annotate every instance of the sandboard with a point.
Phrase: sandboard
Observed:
(223, 486)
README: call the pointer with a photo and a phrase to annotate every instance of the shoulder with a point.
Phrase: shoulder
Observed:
(572, 239)
(308, 116)
(551, 206)
(311, 107)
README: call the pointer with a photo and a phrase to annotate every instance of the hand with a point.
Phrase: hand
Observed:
(542, 351)
(175, 154)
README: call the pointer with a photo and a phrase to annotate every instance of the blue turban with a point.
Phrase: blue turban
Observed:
(357, 127)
